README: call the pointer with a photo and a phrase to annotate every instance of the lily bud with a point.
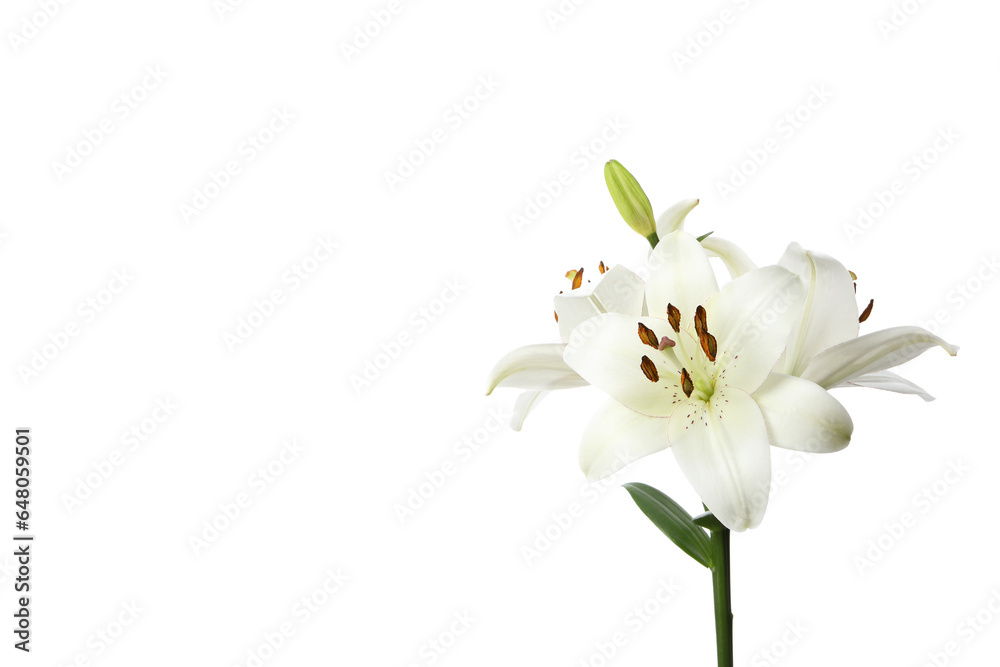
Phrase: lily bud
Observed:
(631, 201)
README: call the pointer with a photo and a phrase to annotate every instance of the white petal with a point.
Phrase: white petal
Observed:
(616, 436)
(803, 416)
(871, 353)
(750, 319)
(673, 218)
(619, 291)
(534, 367)
(679, 274)
(830, 315)
(737, 261)
(888, 381)
(723, 450)
(524, 404)
(607, 352)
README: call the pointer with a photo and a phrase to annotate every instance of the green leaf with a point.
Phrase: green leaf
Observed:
(704, 236)
(671, 518)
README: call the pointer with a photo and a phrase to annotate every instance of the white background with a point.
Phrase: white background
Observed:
(448, 230)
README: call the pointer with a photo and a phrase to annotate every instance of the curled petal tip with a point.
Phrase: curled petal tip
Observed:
(673, 218)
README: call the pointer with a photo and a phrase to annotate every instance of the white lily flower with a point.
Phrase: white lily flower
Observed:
(540, 368)
(824, 345)
(696, 375)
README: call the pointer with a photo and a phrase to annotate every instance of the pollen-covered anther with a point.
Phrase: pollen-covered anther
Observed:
(867, 311)
(602, 268)
(700, 321)
(647, 336)
(649, 369)
(665, 343)
(674, 317)
(686, 383)
(708, 344)
(576, 275)
(556, 314)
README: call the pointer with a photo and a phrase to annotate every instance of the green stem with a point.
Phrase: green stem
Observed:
(723, 597)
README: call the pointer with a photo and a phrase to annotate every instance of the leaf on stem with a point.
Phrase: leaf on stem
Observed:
(673, 520)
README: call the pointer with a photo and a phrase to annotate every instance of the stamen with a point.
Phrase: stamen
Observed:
(674, 317)
(708, 345)
(686, 383)
(556, 314)
(700, 320)
(647, 336)
(665, 343)
(867, 311)
(576, 277)
(649, 369)
(602, 268)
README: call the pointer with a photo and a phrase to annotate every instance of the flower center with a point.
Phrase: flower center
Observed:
(697, 377)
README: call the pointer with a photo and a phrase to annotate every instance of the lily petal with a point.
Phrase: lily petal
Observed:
(680, 274)
(736, 261)
(607, 352)
(524, 404)
(535, 367)
(888, 381)
(619, 291)
(871, 353)
(803, 416)
(751, 317)
(673, 218)
(830, 315)
(616, 436)
(722, 448)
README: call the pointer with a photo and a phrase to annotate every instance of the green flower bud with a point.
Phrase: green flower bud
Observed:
(631, 201)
